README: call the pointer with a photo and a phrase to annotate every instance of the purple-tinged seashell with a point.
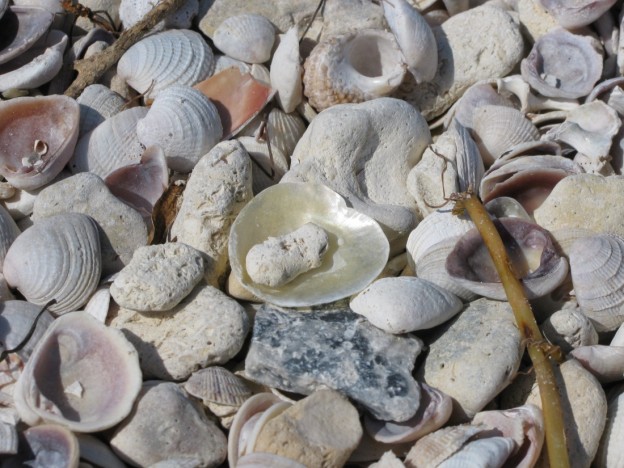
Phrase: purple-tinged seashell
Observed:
(576, 13)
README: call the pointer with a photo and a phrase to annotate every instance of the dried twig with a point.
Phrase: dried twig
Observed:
(90, 70)
(541, 352)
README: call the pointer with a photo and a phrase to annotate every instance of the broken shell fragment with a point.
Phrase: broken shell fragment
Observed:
(47, 445)
(573, 14)
(16, 322)
(21, 27)
(286, 71)
(357, 250)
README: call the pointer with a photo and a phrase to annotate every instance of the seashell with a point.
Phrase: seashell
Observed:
(479, 94)
(259, 459)
(597, 269)
(47, 445)
(515, 85)
(569, 328)
(434, 410)
(8, 233)
(36, 66)
(184, 122)
(37, 138)
(269, 165)
(248, 38)
(469, 162)
(98, 304)
(498, 128)
(532, 255)
(281, 129)
(17, 320)
(218, 385)
(610, 449)
(341, 69)
(606, 363)
(111, 145)
(57, 258)
(132, 11)
(94, 451)
(506, 207)
(491, 451)
(82, 375)
(97, 103)
(576, 13)
(4, 4)
(414, 37)
(21, 27)
(562, 65)
(8, 438)
(349, 265)
(405, 304)
(177, 56)
(286, 71)
(223, 62)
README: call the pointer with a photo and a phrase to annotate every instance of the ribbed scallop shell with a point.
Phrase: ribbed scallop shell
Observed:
(178, 56)
(353, 67)
(97, 103)
(218, 385)
(111, 145)
(248, 38)
(57, 258)
(597, 268)
(28, 24)
(184, 123)
(499, 128)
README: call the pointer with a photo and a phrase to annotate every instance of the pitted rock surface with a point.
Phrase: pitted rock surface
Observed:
(304, 351)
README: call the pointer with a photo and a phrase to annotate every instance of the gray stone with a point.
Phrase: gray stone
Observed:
(206, 328)
(475, 357)
(304, 351)
(123, 228)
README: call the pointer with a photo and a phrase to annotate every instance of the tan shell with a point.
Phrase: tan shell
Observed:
(218, 385)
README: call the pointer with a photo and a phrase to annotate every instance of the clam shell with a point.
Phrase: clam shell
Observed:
(8, 233)
(357, 252)
(16, 321)
(573, 14)
(21, 27)
(597, 268)
(563, 65)
(82, 375)
(468, 158)
(491, 451)
(184, 123)
(178, 56)
(341, 69)
(268, 167)
(8, 439)
(479, 94)
(93, 450)
(248, 38)
(37, 138)
(111, 145)
(49, 445)
(97, 103)
(57, 258)
(606, 363)
(218, 385)
(286, 71)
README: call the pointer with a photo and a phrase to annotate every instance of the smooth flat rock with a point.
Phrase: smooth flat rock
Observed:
(165, 425)
(158, 277)
(218, 188)
(206, 328)
(475, 357)
(304, 351)
(585, 201)
(478, 44)
(321, 430)
(123, 228)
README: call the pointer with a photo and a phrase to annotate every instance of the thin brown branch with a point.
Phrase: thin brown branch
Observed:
(90, 70)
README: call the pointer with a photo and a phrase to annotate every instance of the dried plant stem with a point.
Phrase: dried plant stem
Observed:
(90, 70)
(538, 348)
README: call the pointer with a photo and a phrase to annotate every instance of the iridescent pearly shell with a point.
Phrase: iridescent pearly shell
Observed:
(37, 138)
(83, 375)
(248, 38)
(597, 268)
(351, 68)
(16, 321)
(111, 145)
(21, 27)
(184, 123)
(357, 251)
(572, 14)
(563, 65)
(57, 258)
(97, 103)
(286, 71)
(218, 385)
(178, 56)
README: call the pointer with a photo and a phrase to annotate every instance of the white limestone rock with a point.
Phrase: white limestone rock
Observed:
(569, 328)
(158, 277)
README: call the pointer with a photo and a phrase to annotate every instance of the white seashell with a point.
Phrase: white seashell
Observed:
(98, 304)
(218, 385)
(260, 459)
(597, 268)
(479, 94)
(93, 450)
(18, 318)
(506, 207)
(350, 263)
(610, 449)
(606, 363)
(491, 451)
(405, 304)
(57, 258)
(285, 74)
(97, 103)
(51, 445)
(415, 39)
(111, 145)
(618, 338)
(178, 56)
(341, 70)
(572, 14)
(569, 328)
(468, 158)
(8, 233)
(248, 38)
(28, 24)
(8, 439)
(184, 122)
(283, 130)
(268, 167)
(78, 350)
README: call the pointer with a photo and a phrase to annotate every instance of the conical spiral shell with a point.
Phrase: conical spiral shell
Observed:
(57, 258)
(178, 56)
(597, 267)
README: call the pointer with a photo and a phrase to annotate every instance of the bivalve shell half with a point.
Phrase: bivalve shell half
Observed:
(97, 103)
(218, 385)
(178, 56)
(21, 27)
(286, 71)
(57, 258)
(248, 38)
(16, 322)
(353, 67)
(572, 14)
(83, 375)
(597, 268)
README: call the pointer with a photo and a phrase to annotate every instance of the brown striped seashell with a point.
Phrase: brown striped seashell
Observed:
(351, 68)
(218, 385)
(57, 258)
(247, 37)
